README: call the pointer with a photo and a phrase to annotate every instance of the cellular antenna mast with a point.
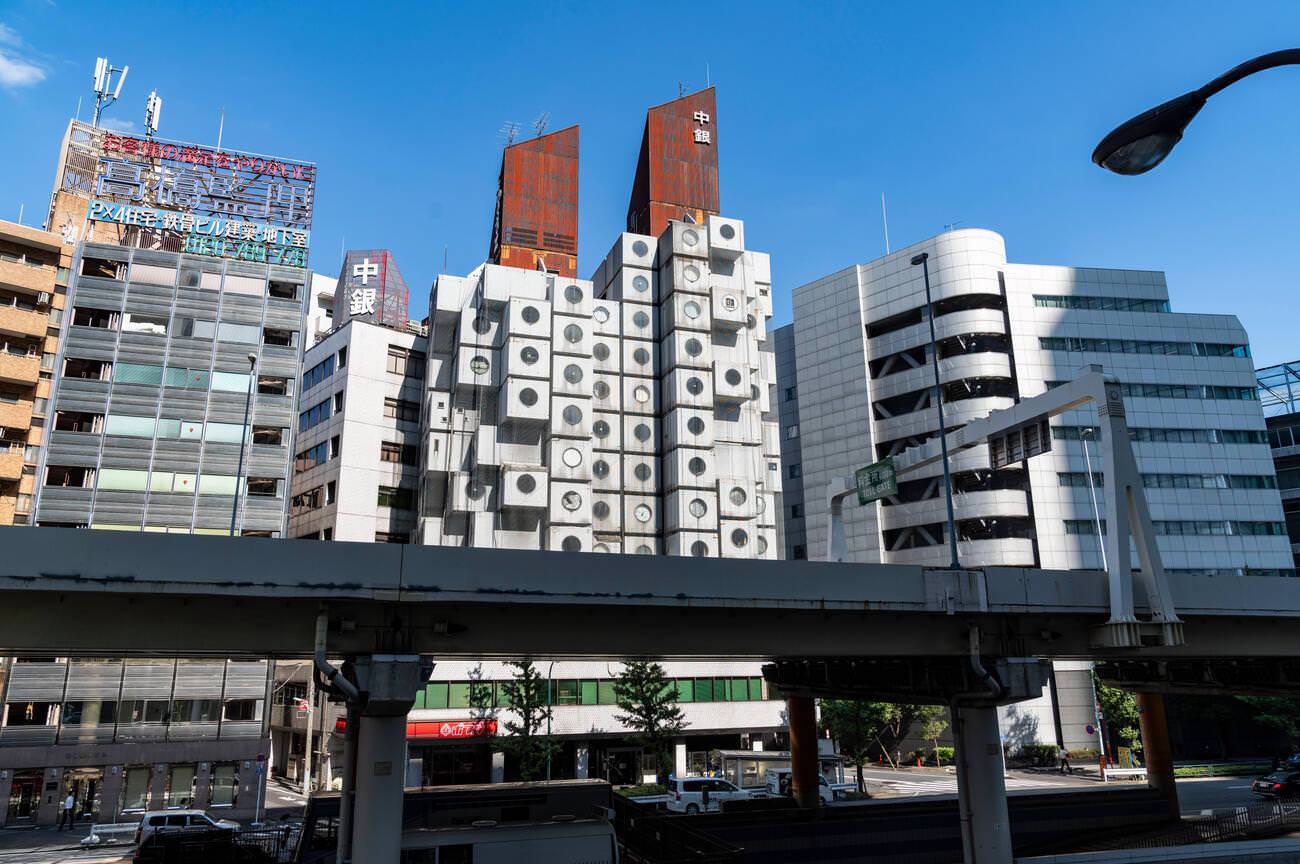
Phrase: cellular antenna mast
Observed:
(106, 92)
(152, 113)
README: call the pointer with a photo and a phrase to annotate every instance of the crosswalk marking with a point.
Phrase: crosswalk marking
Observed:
(942, 786)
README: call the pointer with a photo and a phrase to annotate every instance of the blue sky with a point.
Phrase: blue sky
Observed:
(962, 113)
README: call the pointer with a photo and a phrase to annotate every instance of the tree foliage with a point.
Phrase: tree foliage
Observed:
(482, 705)
(526, 699)
(1119, 716)
(647, 700)
(862, 728)
(1280, 712)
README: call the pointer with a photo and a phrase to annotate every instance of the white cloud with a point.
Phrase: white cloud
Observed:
(116, 124)
(16, 71)
(8, 36)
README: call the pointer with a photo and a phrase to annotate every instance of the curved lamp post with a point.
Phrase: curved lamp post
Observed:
(1140, 144)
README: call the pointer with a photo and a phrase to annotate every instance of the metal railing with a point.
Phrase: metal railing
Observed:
(1251, 822)
(648, 837)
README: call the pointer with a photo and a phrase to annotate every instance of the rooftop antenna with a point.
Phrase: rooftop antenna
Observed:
(152, 113)
(106, 92)
(78, 108)
(540, 123)
(951, 226)
(680, 91)
(884, 216)
(510, 130)
(708, 79)
(221, 127)
(21, 207)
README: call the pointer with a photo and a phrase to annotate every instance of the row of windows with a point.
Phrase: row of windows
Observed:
(401, 409)
(405, 362)
(313, 456)
(1158, 435)
(1104, 304)
(313, 499)
(176, 376)
(401, 454)
(568, 691)
(189, 328)
(103, 712)
(190, 277)
(1179, 481)
(1191, 528)
(128, 426)
(1137, 389)
(314, 416)
(142, 480)
(1140, 346)
(1268, 572)
(318, 373)
(396, 498)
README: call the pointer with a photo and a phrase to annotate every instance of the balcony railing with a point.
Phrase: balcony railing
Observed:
(16, 321)
(19, 368)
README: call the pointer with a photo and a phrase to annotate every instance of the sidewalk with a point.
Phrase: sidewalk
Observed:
(44, 838)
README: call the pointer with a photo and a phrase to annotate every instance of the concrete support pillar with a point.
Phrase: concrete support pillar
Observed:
(377, 811)
(581, 761)
(498, 767)
(802, 712)
(1157, 755)
(680, 767)
(202, 786)
(981, 786)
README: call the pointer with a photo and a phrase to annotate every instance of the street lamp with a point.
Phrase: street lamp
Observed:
(243, 436)
(923, 259)
(1140, 144)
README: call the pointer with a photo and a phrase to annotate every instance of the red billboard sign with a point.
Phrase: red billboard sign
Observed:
(450, 729)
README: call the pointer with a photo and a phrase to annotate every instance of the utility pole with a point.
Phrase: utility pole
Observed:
(311, 713)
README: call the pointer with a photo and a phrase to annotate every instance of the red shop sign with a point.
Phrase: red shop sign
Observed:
(438, 729)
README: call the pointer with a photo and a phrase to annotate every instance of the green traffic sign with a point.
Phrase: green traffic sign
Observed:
(876, 481)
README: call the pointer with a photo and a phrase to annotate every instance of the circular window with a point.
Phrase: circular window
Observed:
(643, 513)
(760, 543)
(641, 356)
(760, 504)
(733, 377)
(640, 283)
(739, 538)
(572, 415)
(529, 355)
(530, 314)
(528, 396)
(641, 393)
(474, 491)
(600, 510)
(573, 294)
(641, 319)
(526, 483)
(573, 333)
(642, 472)
(738, 496)
(698, 507)
(573, 373)
(570, 501)
(700, 549)
(697, 466)
(600, 468)
(730, 303)
(695, 426)
(642, 432)
(691, 309)
(691, 273)
(727, 231)
(694, 386)
(571, 544)
(571, 457)
(601, 351)
(639, 248)
(600, 389)
(601, 314)
(600, 428)
(693, 347)
(482, 325)
(690, 237)
(643, 549)
(479, 365)
(600, 547)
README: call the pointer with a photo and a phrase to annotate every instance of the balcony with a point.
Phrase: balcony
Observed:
(19, 368)
(20, 322)
(11, 464)
(24, 277)
(16, 415)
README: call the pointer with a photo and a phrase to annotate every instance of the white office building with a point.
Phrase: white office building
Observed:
(320, 308)
(1006, 331)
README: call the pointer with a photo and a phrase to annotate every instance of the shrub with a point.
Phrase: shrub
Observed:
(944, 755)
(1039, 754)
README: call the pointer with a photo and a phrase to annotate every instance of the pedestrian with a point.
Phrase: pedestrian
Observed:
(65, 814)
(1065, 763)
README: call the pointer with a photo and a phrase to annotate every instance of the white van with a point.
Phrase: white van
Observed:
(580, 841)
(779, 779)
(701, 794)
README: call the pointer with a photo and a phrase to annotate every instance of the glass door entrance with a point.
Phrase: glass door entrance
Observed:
(85, 786)
(24, 796)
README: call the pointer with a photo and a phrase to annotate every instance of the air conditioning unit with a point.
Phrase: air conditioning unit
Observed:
(687, 427)
(640, 434)
(736, 539)
(726, 237)
(570, 417)
(572, 376)
(524, 400)
(606, 471)
(640, 320)
(607, 512)
(691, 510)
(729, 308)
(686, 312)
(480, 326)
(641, 396)
(736, 498)
(641, 473)
(571, 297)
(524, 488)
(640, 358)
(570, 503)
(472, 491)
(731, 382)
(607, 430)
(476, 366)
(606, 318)
(526, 358)
(687, 275)
(607, 354)
(606, 392)
(571, 335)
(689, 468)
(568, 538)
(641, 514)
(687, 388)
(569, 459)
(684, 239)
(693, 544)
(686, 349)
(531, 318)
(43, 298)
(635, 250)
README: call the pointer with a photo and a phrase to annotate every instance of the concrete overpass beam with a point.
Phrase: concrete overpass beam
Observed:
(981, 786)
(1156, 751)
(802, 712)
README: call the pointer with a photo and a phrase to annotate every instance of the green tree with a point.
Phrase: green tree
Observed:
(526, 699)
(647, 698)
(860, 727)
(1280, 712)
(482, 702)
(1119, 716)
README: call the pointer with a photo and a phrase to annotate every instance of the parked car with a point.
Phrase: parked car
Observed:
(693, 795)
(1279, 784)
(779, 780)
(175, 820)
